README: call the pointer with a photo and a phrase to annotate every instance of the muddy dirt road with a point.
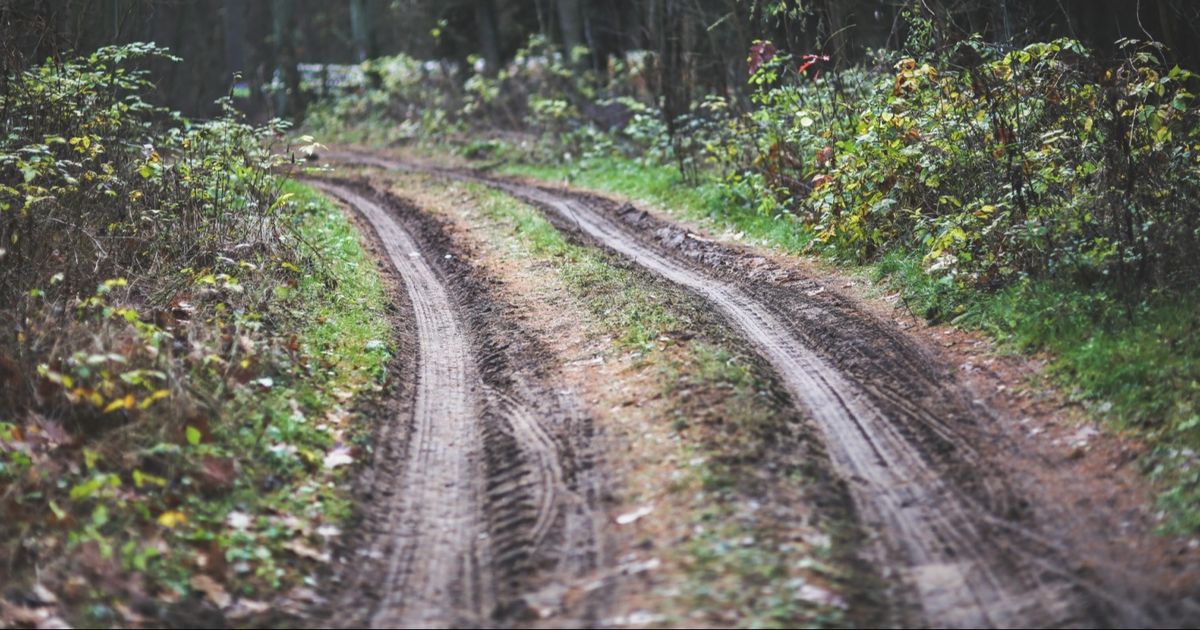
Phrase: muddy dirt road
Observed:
(963, 543)
(482, 484)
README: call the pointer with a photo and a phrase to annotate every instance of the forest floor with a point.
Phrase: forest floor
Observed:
(601, 414)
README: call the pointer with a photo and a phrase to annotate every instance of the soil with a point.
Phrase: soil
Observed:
(782, 491)
(484, 482)
(972, 522)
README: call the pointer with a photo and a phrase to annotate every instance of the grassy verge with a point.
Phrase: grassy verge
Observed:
(1137, 366)
(215, 521)
(663, 186)
(742, 565)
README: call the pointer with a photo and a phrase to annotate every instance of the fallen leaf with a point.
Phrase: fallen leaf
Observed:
(339, 456)
(44, 596)
(131, 617)
(304, 550)
(172, 518)
(217, 473)
(211, 589)
(245, 608)
(238, 520)
(820, 596)
(634, 516)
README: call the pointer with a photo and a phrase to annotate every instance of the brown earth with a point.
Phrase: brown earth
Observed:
(659, 418)
(976, 523)
(484, 482)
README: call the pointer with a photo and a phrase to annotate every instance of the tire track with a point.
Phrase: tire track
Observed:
(438, 512)
(962, 551)
(921, 518)
(482, 508)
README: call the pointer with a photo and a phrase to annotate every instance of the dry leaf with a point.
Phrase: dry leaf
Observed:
(339, 456)
(238, 520)
(634, 516)
(302, 549)
(245, 608)
(211, 589)
(217, 474)
(172, 518)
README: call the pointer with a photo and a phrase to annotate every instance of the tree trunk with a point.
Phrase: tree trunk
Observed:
(288, 101)
(489, 44)
(570, 20)
(362, 31)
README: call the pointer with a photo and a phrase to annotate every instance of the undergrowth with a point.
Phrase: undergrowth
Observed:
(186, 332)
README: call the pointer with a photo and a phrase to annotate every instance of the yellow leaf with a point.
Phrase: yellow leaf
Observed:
(172, 518)
(157, 395)
(114, 405)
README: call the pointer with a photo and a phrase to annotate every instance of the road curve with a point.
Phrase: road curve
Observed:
(930, 525)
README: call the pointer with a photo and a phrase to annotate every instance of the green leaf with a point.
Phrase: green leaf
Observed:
(193, 435)
(100, 515)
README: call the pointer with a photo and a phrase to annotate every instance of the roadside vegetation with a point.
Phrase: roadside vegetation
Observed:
(185, 333)
(1044, 194)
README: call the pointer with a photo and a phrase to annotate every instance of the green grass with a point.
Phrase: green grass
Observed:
(740, 560)
(611, 293)
(291, 423)
(663, 186)
(1136, 365)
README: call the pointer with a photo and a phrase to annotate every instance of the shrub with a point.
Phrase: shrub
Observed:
(992, 164)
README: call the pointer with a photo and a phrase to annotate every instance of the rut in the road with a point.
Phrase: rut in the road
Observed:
(963, 546)
(970, 549)
(949, 555)
(493, 483)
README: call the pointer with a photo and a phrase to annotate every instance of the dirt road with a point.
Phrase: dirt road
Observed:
(486, 479)
(963, 540)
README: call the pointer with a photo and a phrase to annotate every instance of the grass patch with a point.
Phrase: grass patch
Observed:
(613, 294)
(663, 186)
(744, 566)
(1137, 365)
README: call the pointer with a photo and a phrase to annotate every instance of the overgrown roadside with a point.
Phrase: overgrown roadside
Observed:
(748, 529)
(188, 335)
